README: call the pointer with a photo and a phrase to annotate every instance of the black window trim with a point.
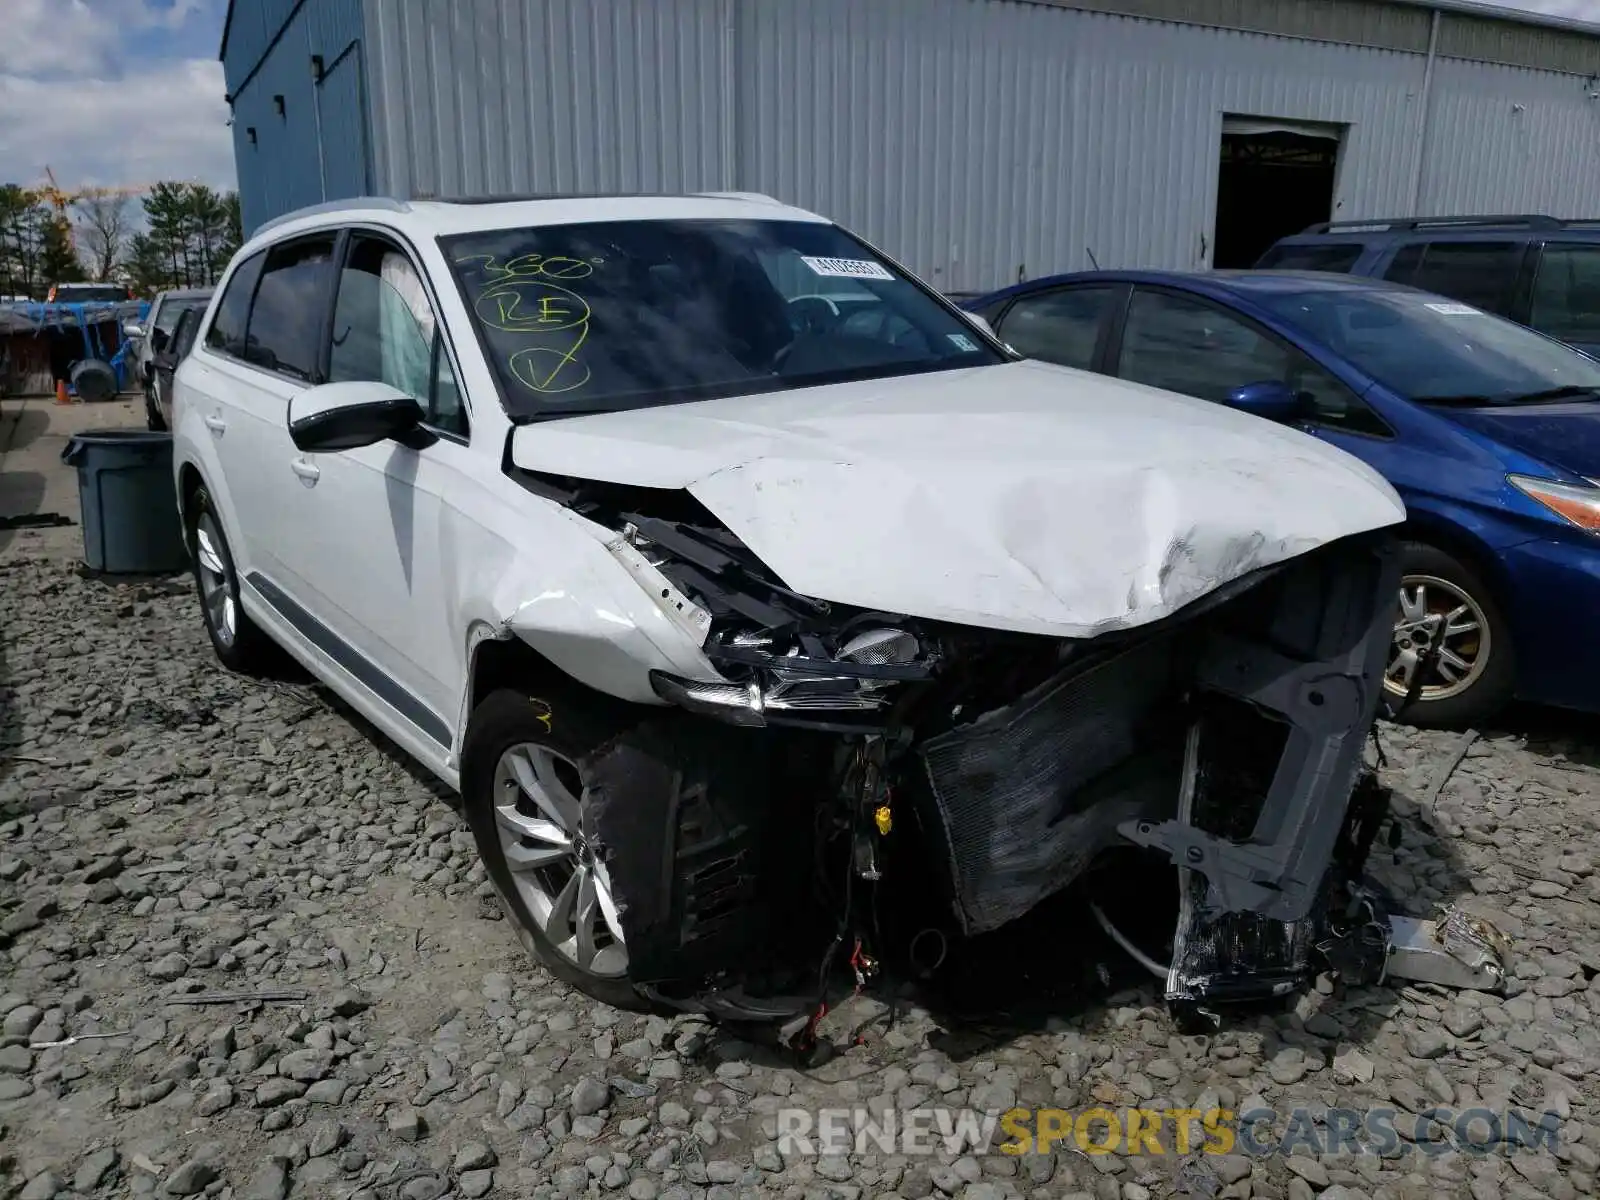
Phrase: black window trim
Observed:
(404, 245)
(1110, 320)
(1114, 357)
(305, 235)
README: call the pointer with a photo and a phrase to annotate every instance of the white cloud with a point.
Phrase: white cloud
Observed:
(102, 95)
(171, 124)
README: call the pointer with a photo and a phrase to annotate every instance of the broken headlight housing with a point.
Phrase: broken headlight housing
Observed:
(793, 680)
(784, 657)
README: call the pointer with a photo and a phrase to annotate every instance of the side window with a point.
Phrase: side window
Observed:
(1061, 327)
(1195, 348)
(384, 329)
(1476, 273)
(1566, 293)
(227, 327)
(167, 316)
(183, 333)
(286, 318)
(1319, 256)
(445, 409)
(1330, 402)
(1189, 346)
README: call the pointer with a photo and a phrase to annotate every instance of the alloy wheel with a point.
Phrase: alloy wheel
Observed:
(216, 591)
(540, 814)
(1437, 613)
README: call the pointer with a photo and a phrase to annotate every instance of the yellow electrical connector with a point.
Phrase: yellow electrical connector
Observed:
(884, 819)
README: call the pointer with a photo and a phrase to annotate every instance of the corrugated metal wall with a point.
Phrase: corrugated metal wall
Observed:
(317, 147)
(550, 95)
(973, 139)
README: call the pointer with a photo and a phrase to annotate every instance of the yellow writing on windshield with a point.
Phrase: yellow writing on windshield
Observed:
(521, 296)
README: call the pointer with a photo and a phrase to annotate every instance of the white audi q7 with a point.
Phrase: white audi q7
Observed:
(759, 603)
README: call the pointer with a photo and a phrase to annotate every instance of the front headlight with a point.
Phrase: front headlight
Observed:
(1577, 503)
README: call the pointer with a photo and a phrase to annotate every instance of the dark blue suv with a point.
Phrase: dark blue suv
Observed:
(1539, 271)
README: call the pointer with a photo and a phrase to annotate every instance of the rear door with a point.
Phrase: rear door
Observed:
(255, 370)
(1565, 296)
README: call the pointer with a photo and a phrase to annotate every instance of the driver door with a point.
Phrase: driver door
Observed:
(370, 520)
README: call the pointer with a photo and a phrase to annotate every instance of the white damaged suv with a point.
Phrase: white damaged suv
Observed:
(758, 603)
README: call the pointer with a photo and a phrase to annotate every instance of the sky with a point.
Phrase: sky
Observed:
(129, 92)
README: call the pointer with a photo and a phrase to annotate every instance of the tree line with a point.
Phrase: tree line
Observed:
(187, 235)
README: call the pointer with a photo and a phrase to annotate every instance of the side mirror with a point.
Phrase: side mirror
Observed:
(132, 329)
(981, 322)
(1271, 398)
(347, 416)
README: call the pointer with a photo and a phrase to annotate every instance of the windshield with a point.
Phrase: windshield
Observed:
(1427, 348)
(627, 314)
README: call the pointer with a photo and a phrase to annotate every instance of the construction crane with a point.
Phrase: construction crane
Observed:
(61, 200)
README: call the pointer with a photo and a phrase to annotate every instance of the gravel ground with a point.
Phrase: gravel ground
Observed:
(169, 832)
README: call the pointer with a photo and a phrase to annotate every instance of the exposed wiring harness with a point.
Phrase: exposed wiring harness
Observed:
(1121, 939)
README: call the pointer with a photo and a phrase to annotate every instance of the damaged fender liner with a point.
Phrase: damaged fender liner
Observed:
(701, 824)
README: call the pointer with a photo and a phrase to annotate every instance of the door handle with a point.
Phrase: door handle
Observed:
(308, 471)
(217, 425)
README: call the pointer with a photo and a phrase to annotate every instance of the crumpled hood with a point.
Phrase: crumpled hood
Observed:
(1023, 496)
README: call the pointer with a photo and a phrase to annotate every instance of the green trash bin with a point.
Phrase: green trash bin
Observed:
(128, 500)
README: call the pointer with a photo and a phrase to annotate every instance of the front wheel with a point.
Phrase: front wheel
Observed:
(1447, 609)
(526, 795)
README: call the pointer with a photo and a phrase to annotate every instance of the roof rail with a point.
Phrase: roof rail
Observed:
(388, 203)
(756, 197)
(1396, 224)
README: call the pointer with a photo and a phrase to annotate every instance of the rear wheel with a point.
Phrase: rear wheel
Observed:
(1446, 608)
(526, 793)
(238, 641)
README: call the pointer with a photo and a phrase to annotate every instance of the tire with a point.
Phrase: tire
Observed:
(239, 642)
(549, 734)
(1433, 585)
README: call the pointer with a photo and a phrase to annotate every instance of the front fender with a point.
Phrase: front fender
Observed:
(554, 580)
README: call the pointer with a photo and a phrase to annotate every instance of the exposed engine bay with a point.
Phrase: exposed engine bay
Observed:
(865, 788)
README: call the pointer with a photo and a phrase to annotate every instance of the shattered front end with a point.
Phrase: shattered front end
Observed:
(1228, 741)
(843, 782)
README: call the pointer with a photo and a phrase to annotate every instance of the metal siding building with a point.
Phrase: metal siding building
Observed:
(976, 140)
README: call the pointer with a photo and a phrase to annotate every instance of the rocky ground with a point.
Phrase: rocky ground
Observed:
(181, 849)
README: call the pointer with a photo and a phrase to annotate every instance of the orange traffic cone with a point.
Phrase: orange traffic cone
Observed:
(61, 392)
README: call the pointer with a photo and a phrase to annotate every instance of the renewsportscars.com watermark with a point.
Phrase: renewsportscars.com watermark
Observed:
(1386, 1132)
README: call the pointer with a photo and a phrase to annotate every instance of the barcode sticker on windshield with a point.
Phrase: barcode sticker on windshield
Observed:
(1455, 310)
(962, 342)
(847, 268)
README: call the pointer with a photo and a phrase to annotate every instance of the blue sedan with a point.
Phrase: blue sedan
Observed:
(1488, 430)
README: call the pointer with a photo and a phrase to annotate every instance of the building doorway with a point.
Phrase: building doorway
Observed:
(1274, 179)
